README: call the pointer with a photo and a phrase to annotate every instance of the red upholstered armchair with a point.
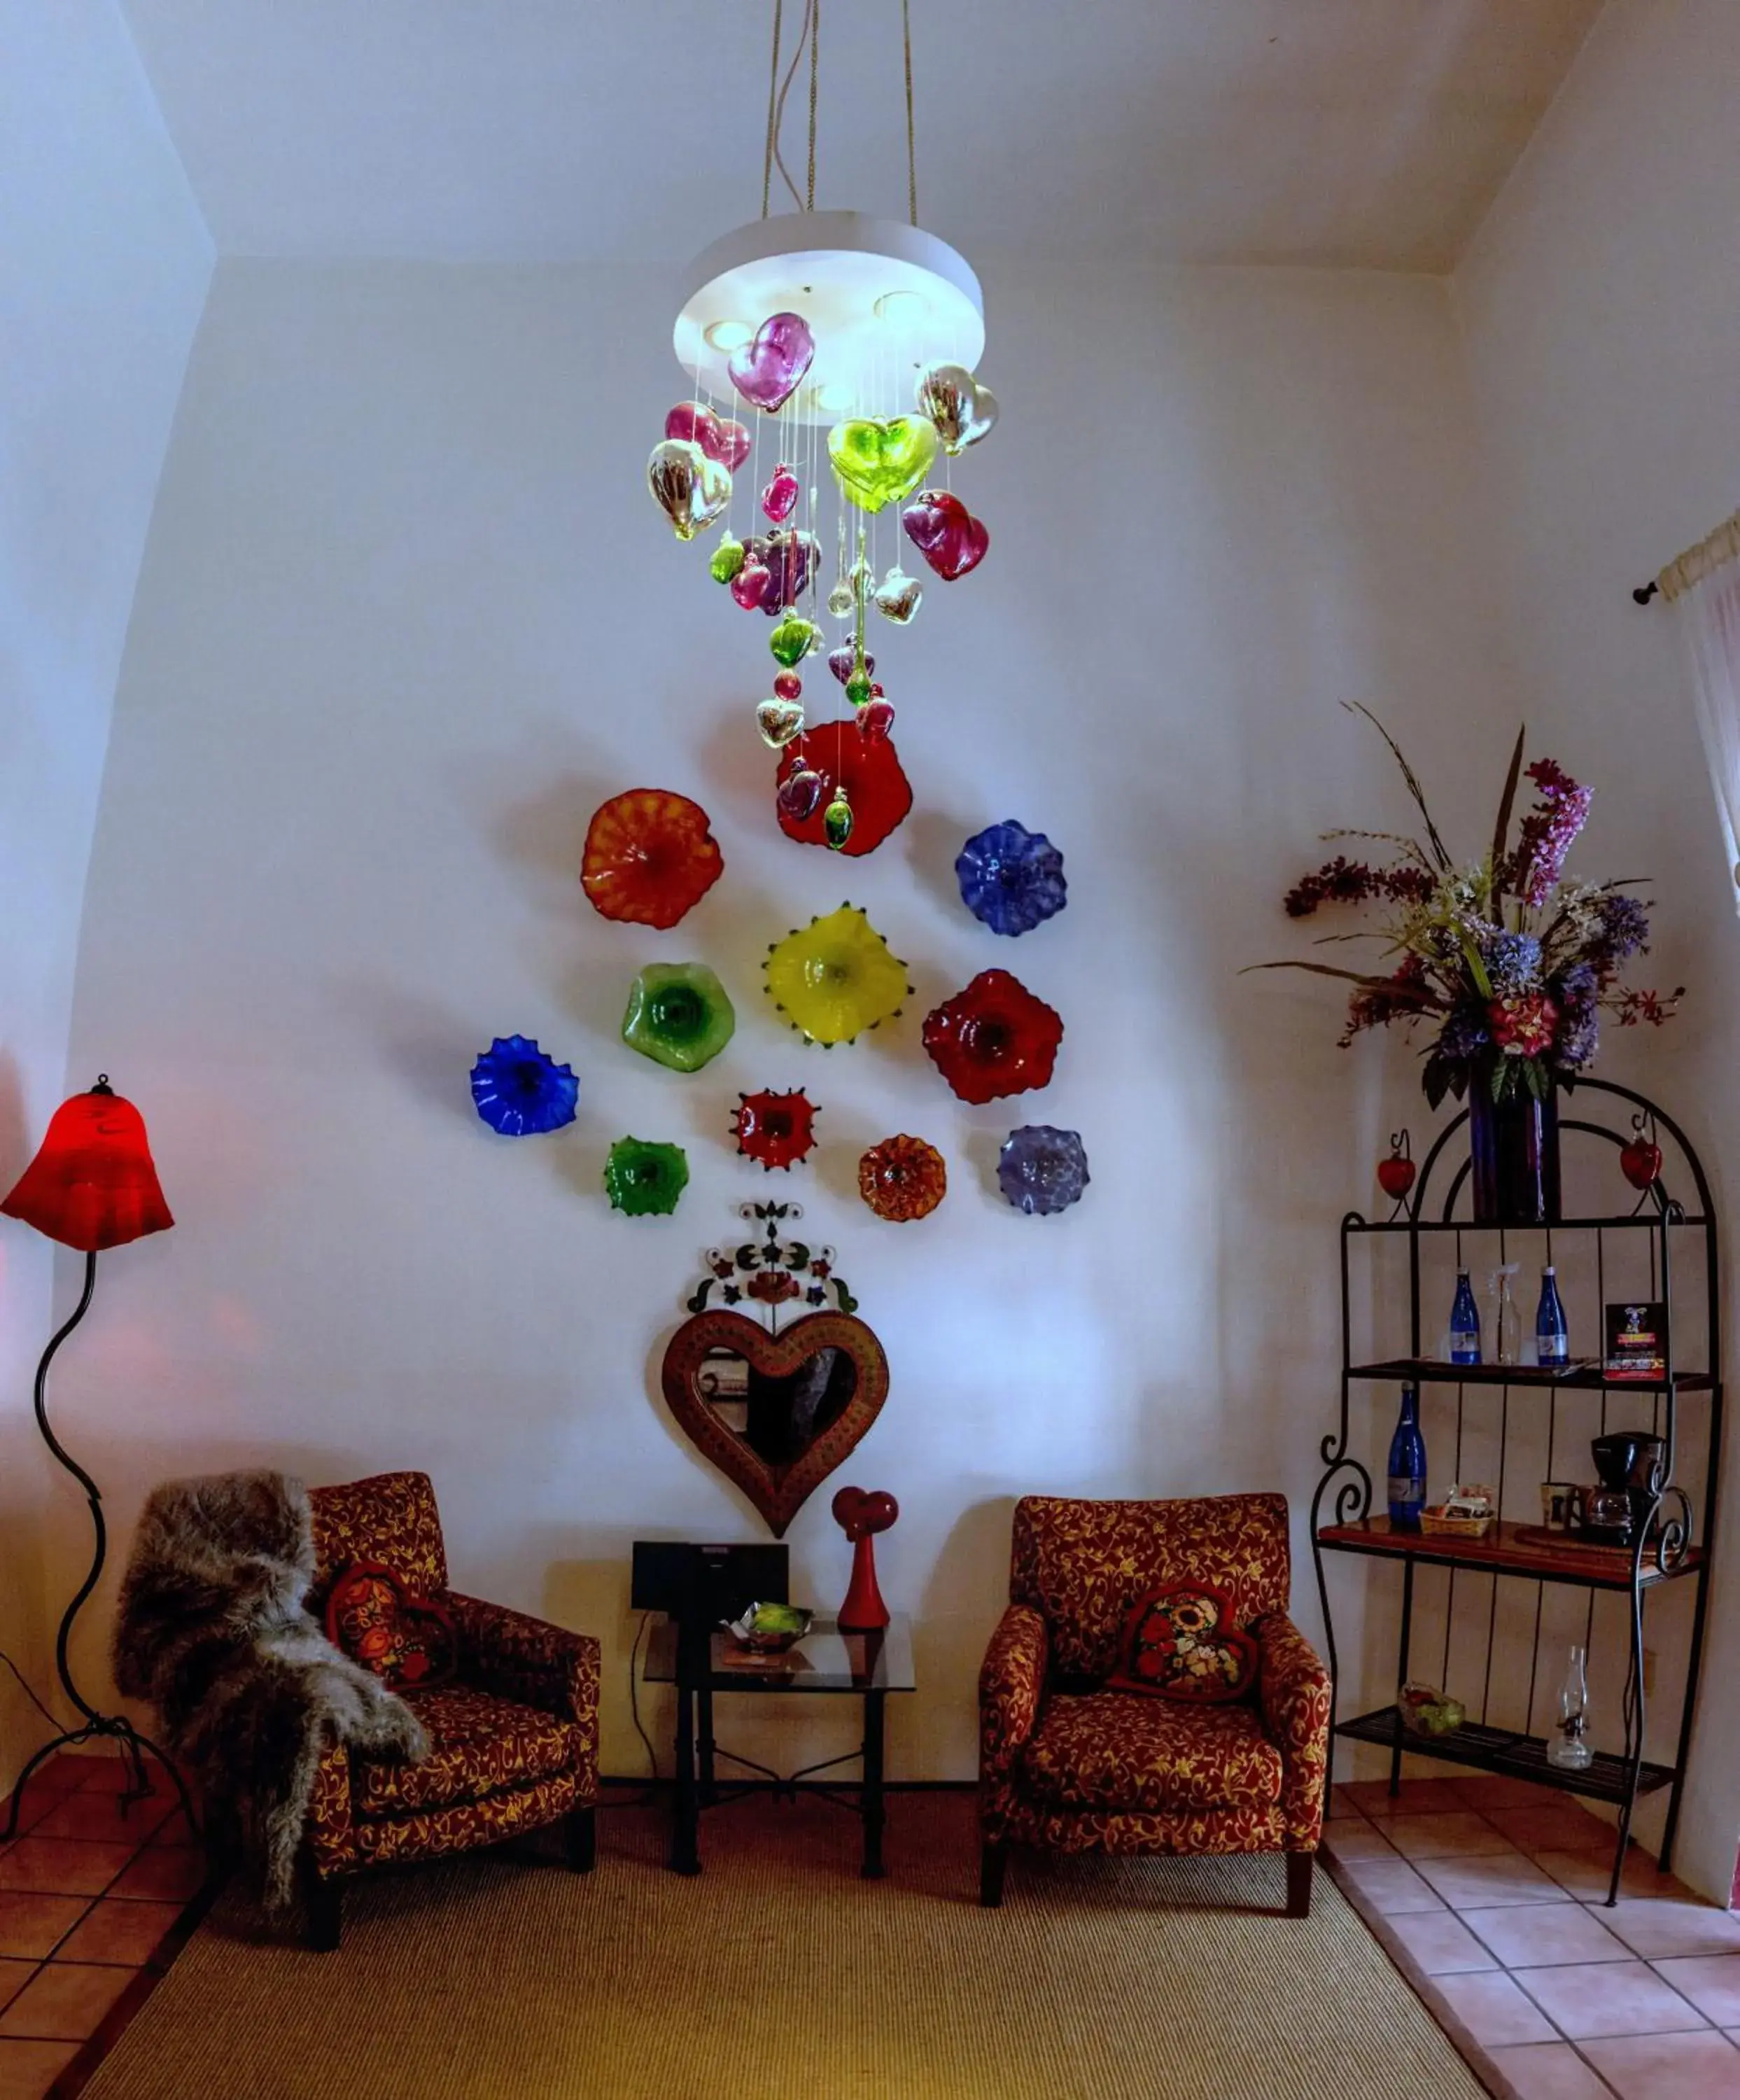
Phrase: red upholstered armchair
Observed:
(1064, 1763)
(514, 1743)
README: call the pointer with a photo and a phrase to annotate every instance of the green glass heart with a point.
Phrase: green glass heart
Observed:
(792, 640)
(877, 463)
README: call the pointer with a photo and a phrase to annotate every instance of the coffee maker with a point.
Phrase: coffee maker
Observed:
(1630, 1463)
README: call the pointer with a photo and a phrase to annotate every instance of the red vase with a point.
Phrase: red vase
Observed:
(863, 1612)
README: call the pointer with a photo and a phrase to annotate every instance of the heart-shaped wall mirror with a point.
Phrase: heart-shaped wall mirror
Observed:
(775, 1413)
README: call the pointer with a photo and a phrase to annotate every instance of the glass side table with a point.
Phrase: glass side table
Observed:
(867, 1665)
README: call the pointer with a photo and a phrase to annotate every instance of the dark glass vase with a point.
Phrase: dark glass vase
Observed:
(1513, 1147)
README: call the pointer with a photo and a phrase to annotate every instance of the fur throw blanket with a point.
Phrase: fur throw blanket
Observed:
(211, 1630)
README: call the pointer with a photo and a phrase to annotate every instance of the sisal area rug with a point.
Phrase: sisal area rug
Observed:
(778, 1973)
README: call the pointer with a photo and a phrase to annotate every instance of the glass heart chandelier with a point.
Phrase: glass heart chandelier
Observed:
(827, 352)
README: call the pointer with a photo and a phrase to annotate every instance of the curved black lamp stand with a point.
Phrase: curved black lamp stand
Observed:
(111, 1727)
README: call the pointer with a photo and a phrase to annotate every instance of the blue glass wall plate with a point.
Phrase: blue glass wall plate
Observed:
(1041, 1169)
(1010, 878)
(519, 1091)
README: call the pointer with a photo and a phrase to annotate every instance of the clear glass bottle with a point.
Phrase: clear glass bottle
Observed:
(1407, 1466)
(1552, 1335)
(1464, 1323)
(1570, 1748)
(1504, 1328)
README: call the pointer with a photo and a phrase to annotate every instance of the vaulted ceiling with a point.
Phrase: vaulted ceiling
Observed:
(1369, 133)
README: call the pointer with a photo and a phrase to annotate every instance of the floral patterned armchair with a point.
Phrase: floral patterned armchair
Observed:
(513, 1742)
(1066, 1763)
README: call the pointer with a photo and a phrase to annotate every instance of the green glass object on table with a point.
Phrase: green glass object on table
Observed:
(645, 1180)
(679, 1014)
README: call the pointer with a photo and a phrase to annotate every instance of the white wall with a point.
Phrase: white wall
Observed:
(1601, 308)
(407, 615)
(103, 266)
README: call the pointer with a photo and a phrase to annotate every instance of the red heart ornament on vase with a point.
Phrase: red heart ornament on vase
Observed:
(945, 532)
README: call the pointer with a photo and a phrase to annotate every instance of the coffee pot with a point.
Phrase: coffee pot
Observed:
(1631, 1463)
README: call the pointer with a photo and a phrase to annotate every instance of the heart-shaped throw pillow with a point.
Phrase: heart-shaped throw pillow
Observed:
(1180, 1642)
(409, 1640)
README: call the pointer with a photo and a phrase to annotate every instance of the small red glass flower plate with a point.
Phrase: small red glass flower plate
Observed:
(777, 1130)
(993, 1039)
(650, 855)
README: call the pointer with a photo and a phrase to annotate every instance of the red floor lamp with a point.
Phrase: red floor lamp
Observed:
(92, 1185)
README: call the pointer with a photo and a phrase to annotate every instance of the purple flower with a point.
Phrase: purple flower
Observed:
(1464, 1035)
(1513, 963)
(1623, 930)
(1548, 831)
(1580, 1037)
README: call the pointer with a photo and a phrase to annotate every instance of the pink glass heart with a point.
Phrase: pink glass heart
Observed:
(799, 795)
(750, 584)
(875, 719)
(789, 555)
(718, 437)
(768, 369)
(780, 495)
(843, 661)
(945, 532)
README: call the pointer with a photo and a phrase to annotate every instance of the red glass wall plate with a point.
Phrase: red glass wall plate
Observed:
(777, 1130)
(870, 770)
(993, 1039)
(650, 856)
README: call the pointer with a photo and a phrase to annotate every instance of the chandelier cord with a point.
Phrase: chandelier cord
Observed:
(773, 92)
(805, 29)
(912, 157)
(815, 39)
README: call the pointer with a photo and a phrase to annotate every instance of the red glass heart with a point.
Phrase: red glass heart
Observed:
(718, 436)
(945, 532)
(1641, 1163)
(1395, 1176)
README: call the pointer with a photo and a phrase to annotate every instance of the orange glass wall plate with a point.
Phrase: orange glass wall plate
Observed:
(650, 857)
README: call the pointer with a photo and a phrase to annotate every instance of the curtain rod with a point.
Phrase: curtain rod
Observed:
(1712, 552)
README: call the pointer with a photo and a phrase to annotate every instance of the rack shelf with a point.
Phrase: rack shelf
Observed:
(1466, 1577)
(1434, 1370)
(1503, 1552)
(1518, 1757)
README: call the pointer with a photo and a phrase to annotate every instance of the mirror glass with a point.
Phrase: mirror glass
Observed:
(779, 1417)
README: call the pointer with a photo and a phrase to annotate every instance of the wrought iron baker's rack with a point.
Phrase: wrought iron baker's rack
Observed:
(1672, 1545)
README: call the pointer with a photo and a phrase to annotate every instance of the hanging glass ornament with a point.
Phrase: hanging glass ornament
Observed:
(769, 367)
(875, 718)
(727, 558)
(841, 601)
(857, 689)
(878, 462)
(718, 436)
(780, 495)
(799, 795)
(779, 721)
(945, 532)
(690, 489)
(836, 820)
(844, 664)
(752, 584)
(961, 410)
(898, 596)
(787, 685)
(793, 639)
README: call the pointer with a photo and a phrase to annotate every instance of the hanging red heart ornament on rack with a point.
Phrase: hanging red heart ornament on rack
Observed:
(945, 532)
(718, 436)
(1395, 1176)
(1641, 1163)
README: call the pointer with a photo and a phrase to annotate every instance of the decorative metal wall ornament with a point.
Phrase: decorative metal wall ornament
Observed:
(775, 1408)
(859, 336)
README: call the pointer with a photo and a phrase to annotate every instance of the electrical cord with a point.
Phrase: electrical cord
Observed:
(645, 1797)
(23, 1686)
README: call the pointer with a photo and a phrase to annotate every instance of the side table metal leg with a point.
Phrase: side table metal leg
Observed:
(709, 1790)
(873, 1868)
(685, 1850)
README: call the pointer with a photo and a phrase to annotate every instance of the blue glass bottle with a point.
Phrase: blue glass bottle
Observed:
(1464, 1323)
(1552, 1335)
(1407, 1466)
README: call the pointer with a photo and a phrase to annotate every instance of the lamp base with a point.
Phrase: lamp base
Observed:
(135, 1748)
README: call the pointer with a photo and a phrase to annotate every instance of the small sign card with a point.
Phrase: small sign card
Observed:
(1637, 1339)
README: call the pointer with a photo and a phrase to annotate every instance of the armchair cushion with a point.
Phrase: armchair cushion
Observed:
(379, 1622)
(1180, 1643)
(478, 1745)
(1115, 1750)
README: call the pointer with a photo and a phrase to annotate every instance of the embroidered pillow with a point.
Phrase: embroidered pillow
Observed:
(1179, 1642)
(409, 1640)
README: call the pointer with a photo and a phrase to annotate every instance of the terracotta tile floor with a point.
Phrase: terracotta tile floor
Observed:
(1489, 1893)
(90, 1890)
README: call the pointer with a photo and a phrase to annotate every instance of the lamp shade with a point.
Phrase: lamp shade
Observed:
(92, 1183)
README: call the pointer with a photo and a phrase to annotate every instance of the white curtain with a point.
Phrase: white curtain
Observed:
(1709, 615)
